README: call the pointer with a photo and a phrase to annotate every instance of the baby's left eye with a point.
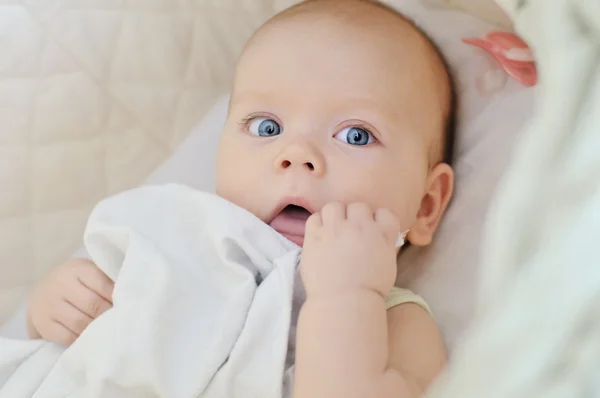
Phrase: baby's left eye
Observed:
(355, 136)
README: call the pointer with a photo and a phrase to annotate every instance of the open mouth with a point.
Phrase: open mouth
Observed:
(298, 212)
(291, 223)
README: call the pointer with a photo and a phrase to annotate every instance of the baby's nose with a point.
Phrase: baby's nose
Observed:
(301, 156)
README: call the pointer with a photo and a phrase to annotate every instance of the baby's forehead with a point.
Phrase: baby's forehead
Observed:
(367, 48)
(371, 20)
(353, 31)
(359, 25)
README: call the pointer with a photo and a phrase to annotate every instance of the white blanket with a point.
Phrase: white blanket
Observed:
(202, 305)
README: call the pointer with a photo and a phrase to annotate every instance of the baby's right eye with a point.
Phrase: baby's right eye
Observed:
(264, 127)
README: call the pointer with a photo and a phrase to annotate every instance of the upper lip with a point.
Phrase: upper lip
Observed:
(292, 201)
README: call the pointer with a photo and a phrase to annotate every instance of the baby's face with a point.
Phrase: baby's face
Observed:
(321, 112)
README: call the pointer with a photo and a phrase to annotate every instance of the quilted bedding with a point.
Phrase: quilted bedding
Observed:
(94, 94)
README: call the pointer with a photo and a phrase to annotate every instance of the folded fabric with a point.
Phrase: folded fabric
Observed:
(202, 305)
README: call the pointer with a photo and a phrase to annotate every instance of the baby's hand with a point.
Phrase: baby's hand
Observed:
(67, 301)
(348, 248)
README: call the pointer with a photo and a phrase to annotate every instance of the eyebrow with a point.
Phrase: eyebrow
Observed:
(362, 104)
(251, 95)
(357, 104)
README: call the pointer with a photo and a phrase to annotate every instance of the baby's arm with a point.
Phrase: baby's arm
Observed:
(416, 349)
(348, 346)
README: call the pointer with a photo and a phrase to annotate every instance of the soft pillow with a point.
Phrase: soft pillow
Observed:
(486, 9)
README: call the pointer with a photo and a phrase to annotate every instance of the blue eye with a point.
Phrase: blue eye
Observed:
(264, 127)
(355, 136)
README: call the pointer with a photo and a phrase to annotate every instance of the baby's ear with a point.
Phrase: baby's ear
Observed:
(438, 191)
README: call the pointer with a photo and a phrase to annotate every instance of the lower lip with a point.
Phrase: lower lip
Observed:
(299, 240)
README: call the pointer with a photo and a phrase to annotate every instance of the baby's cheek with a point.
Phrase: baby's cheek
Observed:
(233, 185)
(232, 164)
(357, 184)
(242, 186)
(385, 188)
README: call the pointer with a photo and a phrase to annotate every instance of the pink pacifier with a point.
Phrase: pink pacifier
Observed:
(511, 52)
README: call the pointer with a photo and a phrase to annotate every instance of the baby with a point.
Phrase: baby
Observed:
(339, 136)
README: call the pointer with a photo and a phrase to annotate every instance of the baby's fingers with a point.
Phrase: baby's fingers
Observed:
(97, 281)
(87, 301)
(59, 333)
(389, 223)
(72, 318)
(332, 213)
